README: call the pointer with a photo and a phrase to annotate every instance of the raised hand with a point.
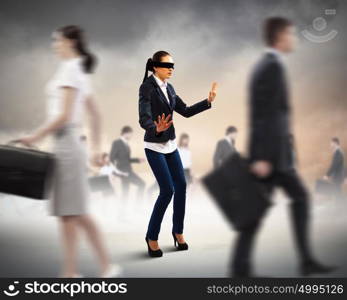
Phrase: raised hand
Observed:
(213, 92)
(163, 123)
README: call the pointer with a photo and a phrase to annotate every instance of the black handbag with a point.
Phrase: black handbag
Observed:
(241, 197)
(25, 172)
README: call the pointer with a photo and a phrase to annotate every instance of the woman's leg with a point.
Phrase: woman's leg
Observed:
(69, 236)
(177, 173)
(95, 238)
(158, 163)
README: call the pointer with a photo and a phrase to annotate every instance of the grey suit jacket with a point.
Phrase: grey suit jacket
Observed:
(270, 114)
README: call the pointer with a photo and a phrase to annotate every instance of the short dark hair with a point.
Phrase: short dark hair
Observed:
(335, 140)
(230, 129)
(272, 27)
(126, 129)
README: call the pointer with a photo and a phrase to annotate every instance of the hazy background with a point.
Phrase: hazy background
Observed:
(209, 40)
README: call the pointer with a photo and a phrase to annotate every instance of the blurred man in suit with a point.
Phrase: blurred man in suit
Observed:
(336, 171)
(270, 149)
(121, 158)
(225, 147)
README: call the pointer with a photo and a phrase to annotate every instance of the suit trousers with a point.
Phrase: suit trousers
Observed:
(292, 185)
(168, 171)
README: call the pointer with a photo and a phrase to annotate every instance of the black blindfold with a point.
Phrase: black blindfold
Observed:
(163, 64)
(150, 64)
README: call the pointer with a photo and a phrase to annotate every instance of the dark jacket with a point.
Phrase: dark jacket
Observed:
(120, 156)
(223, 150)
(270, 114)
(336, 170)
(152, 103)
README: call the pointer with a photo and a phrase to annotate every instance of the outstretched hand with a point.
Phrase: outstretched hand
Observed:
(213, 92)
(163, 123)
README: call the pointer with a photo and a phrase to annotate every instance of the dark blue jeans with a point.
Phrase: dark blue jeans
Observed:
(168, 170)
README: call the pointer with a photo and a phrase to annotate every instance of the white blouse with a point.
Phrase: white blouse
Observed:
(69, 74)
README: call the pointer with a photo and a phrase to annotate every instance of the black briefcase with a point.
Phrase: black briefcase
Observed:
(25, 172)
(101, 184)
(239, 195)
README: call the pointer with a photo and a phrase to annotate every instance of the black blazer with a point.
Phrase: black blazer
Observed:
(152, 103)
(337, 169)
(223, 150)
(270, 114)
(120, 156)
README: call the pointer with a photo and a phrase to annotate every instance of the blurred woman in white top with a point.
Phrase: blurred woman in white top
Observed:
(69, 92)
(186, 157)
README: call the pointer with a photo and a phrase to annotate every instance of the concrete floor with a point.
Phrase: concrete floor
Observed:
(30, 240)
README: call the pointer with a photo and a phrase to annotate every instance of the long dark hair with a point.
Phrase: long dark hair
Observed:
(75, 33)
(157, 56)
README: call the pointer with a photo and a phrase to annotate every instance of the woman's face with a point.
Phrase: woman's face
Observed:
(164, 73)
(61, 45)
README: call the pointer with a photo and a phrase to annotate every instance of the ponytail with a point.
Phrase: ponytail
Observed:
(149, 67)
(89, 59)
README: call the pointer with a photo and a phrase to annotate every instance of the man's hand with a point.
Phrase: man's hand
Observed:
(261, 168)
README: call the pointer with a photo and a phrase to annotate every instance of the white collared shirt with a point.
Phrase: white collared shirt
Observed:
(163, 87)
(170, 145)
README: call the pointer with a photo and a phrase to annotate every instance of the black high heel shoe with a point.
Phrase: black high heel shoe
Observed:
(153, 253)
(179, 246)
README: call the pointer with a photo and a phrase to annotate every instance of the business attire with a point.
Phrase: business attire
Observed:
(336, 172)
(120, 155)
(155, 98)
(269, 140)
(70, 190)
(224, 149)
